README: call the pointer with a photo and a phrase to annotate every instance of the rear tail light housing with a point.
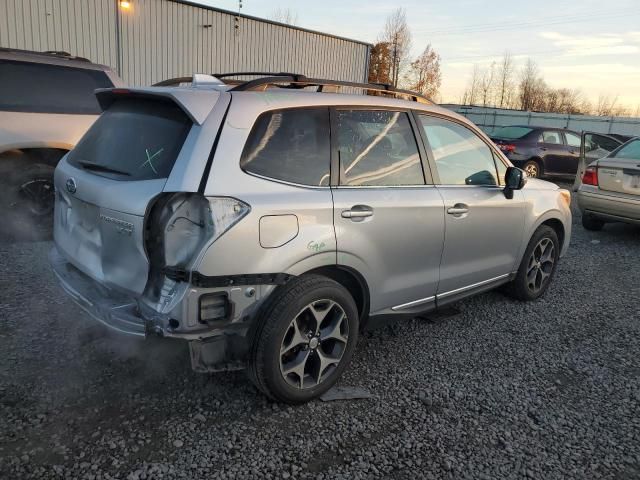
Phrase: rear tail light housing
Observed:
(179, 226)
(590, 176)
(507, 148)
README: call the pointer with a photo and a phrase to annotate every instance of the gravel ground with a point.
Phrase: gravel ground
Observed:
(549, 389)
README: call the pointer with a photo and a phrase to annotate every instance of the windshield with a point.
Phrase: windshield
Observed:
(135, 139)
(629, 151)
(511, 132)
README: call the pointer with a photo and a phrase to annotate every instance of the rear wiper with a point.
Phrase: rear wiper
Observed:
(102, 168)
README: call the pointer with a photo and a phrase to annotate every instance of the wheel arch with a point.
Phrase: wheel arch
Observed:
(353, 281)
(48, 153)
(553, 219)
(558, 227)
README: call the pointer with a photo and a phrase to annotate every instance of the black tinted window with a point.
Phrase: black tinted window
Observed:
(461, 157)
(134, 139)
(511, 133)
(290, 145)
(597, 146)
(35, 87)
(377, 148)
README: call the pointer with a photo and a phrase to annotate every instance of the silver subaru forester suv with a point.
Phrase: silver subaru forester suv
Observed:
(268, 222)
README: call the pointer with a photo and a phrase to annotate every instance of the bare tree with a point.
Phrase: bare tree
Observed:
(570, 101)
(486, 85)
(380, 63)
(397, 35)
(473, 88)
(285, 15)
(533, 88)
(425, 76)
(504, 93)
(608, 107)
(604, 105)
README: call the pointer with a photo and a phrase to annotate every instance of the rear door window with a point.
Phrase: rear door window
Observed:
(377, 148)
(134, 139)
(572, 139)
(552, 138)
(290, 145)
(42, 88)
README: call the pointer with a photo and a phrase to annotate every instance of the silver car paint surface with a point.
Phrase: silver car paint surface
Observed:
(410, 252)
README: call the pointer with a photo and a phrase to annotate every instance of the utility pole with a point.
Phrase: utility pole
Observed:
(394, 78)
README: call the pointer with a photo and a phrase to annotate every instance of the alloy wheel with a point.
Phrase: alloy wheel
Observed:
(314, 344)
(531, 170)
(540, 265)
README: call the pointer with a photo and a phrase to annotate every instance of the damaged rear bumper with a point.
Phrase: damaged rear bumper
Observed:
(110, 308)
(214, 346)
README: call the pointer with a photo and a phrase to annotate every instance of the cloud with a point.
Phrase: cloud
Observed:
(596, 44)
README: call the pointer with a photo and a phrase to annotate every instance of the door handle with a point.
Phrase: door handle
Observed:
(544, 149)
(458, 209)
(357, 212)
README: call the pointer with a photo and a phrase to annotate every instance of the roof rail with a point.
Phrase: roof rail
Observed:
(63, 54)
(172, 82)
(292, 80)
(48, 53)
(196, 80)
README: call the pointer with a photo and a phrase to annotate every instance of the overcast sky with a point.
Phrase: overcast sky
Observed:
(587, 44)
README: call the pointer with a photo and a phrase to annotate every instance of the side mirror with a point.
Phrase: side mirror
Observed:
(515, 179)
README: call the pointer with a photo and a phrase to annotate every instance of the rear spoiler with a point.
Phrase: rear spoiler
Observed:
(197, 104)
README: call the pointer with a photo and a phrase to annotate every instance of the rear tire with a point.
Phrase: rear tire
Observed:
(591, 222)
(533, 169)
(305, 337)
(537, 267)
(26, 197)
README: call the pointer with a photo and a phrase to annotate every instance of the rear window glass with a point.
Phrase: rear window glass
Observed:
(629, 151)
(511, 132)
(35, 87)
(135, 139)
(290, 145)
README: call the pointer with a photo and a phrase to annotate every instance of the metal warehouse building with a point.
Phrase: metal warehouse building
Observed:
(152, 40)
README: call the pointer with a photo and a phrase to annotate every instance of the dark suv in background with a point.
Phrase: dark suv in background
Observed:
(47, 103)
(540, 151)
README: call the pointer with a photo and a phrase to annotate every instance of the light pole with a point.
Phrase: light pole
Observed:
(120, 5)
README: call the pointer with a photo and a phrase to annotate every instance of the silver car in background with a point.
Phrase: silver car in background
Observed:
(267, 222)
(609, 187)
(47, 103)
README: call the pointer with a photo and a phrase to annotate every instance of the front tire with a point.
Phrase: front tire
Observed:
(538, 265)
(304, 340)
